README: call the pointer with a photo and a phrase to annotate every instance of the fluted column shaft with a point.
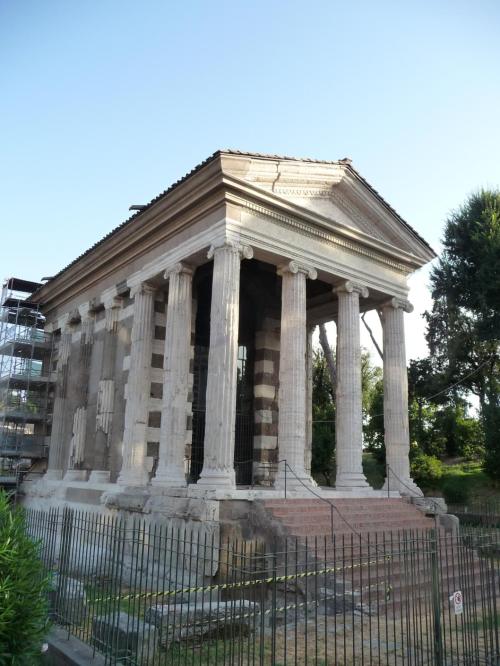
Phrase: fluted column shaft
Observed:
(106, 391)
(396, 424)
(57, 453)
(309, 400)
(292, 427)
(218, 462)
(348, 421)
(177, 357)
(76, 471)
(134, 472)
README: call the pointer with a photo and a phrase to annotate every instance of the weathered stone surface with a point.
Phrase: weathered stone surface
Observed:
(67, 600)
(121, 633)
(194, 620)
(134, 472)
(348, 415)
(218, 464)
(292, 377)
(177, 356)
(396, 426)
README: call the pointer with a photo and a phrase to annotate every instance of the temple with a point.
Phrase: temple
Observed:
(182, 363)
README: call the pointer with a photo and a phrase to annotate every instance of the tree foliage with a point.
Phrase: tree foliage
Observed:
(323, 446)
(464, 325)
(23, 588)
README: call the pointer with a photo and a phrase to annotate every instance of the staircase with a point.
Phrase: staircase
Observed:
(313, 518)
(379, 556)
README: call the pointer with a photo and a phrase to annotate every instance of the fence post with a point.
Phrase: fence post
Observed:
(64, 557)
(436, 601)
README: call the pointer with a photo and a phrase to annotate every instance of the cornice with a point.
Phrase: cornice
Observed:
(321, 234)
(246, 194)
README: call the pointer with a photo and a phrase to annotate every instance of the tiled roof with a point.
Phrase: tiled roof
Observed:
(346, 162)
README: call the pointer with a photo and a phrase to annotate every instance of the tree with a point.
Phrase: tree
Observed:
(23, 591)
(464, 325)
(323, 445)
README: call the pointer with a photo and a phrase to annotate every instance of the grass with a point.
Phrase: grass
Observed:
(465, 479)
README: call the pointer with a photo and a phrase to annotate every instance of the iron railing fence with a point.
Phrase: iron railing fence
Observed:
(478, 512)
(144, 593)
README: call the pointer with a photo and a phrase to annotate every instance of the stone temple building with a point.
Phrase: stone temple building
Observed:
(182, 364)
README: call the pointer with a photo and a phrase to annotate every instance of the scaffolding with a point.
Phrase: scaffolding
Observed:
(25, 386)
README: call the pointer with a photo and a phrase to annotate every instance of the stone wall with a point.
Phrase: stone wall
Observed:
(265, 442)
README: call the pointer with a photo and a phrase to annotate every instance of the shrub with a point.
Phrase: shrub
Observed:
(456, 490)
(426, 470)
(23, 591)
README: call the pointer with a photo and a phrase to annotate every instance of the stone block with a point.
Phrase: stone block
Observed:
(121, 634)
(263, 416)
(188, 621)
(265, 366)
(67, 600)
(265, 442)
(265, 391)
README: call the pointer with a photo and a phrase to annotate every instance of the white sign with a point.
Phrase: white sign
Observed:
(458, 602)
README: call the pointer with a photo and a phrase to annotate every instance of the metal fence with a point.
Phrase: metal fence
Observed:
(480, 513)
(142, 593)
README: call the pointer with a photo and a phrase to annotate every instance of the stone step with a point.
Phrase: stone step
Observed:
(362, 519)
(341, 503)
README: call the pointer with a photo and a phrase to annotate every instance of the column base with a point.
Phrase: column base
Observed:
(217, 478)
(169, 478)
(99, 476)
(76, 475)
(351, 481)
(53, 475)
(405, 486)
(294, 481)
(133, 478)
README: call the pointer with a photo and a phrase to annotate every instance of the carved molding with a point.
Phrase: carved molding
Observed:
(398, 303)
(349, 287)
(306, 229)
(245, 251)
(177, 269)
(295, 267)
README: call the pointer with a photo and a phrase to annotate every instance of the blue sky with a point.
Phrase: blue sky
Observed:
(104, 104)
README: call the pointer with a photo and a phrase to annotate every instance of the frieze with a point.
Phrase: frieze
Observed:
(331, 239)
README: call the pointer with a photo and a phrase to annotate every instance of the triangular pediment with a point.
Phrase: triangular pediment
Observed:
(332, 190)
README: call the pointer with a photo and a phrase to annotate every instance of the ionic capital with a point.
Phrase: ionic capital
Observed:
(63, 323)
(398, 304)
(245, 251)
(349, 287)
(86, 311)
(112, 307)
(142, 288)
(294, 267)
(178, 269)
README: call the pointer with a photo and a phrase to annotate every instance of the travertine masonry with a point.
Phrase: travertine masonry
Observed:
(397, 434)
(292, 388)
(218, 465)
(134, 471)
(173, 433)
(348, 423)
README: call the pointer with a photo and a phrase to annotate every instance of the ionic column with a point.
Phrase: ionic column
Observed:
(349, 417)
(106, 391)
(292, 429)
(76, 471)
(177, 355)
(309, 400)
(134, 471)
(57, 453)
(218, 462)
(396, 426)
